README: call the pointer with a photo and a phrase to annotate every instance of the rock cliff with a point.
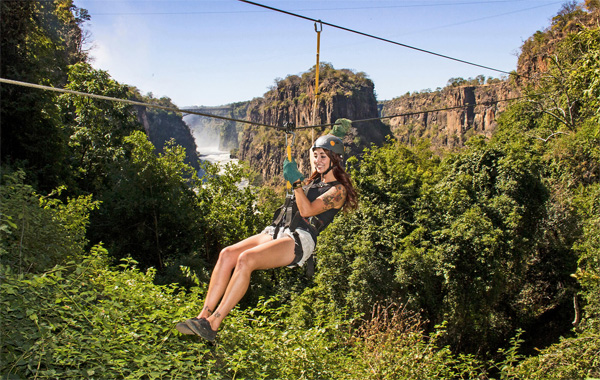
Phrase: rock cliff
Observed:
(537, 49)
(351, 95)
(343, 94)
(162, 126)
(448, 128)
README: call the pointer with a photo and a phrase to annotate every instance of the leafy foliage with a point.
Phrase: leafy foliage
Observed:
(575, 358)
(392, 345)
(96, 128)
(149, 209)
(86, 320)
(571, 81)
(38, 40)
(39, 232)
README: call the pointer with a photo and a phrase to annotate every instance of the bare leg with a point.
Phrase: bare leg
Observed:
(221, 274)
(272, 254)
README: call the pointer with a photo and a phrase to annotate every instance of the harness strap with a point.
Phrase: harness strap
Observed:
(310, 266)
(328, 169)
(323, 184)
(284, 215)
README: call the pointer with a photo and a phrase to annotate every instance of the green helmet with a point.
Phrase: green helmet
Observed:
(330, 142)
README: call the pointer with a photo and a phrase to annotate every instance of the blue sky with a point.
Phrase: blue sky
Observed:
(210, 53)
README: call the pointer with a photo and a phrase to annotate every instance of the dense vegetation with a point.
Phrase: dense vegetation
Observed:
(483, 263)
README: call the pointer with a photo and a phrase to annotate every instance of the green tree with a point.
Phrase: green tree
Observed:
(588, 247)
(568, 92)
(96, 128)
(38, 40)
(38, 232)
(149, 209)
(476, 226)
(356, 256)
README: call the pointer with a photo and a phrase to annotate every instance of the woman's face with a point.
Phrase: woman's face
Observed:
(321, 160)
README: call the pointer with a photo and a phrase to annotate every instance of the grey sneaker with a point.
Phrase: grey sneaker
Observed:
(183, 328)
(202, 328)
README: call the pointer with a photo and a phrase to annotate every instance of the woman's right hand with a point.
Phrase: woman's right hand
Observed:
(291, 172)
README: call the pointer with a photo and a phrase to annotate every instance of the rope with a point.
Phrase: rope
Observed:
(317, 93)
(375, 37)
(132, 102)
(288, 150)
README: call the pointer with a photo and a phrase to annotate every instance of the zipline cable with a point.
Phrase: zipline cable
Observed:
(132, 102)
(286, 128)
(416, 112)
(377, 38)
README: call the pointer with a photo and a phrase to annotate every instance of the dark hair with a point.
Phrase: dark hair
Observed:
(343, 178)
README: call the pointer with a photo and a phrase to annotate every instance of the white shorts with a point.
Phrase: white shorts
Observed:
(305, 242)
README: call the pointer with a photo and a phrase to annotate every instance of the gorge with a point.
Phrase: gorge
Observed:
(346, 94)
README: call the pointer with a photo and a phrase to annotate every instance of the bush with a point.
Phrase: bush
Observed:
(392, 345)
(89, 321)
(38, 232)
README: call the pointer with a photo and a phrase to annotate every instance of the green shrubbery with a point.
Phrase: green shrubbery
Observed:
(38, 232)
(86, 319)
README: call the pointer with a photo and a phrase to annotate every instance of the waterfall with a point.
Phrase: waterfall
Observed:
(207, 135)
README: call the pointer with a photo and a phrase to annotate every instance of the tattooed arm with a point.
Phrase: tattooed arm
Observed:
(333, 198)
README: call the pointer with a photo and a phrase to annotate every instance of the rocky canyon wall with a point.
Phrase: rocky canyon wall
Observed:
(344, 94)
(479, 109)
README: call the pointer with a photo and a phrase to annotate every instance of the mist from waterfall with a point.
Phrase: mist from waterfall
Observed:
(207, 136)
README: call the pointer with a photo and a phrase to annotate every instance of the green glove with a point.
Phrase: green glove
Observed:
(341, 127)
(291, 172)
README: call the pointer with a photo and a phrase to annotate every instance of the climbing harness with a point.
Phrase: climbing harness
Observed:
(288, 216)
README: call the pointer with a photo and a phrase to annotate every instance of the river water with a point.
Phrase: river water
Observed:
(213, 155)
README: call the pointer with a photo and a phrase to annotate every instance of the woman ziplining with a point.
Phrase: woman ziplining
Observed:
(291, 239)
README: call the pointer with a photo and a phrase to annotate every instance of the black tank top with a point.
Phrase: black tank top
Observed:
(321, 221)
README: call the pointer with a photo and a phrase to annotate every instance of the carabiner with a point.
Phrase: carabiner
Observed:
(286, 137)
(320, 29)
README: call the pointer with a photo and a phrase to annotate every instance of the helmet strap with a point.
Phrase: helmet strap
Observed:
(326, 171)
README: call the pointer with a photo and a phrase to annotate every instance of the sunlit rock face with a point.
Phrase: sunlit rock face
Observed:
(343, 94)
(452, 127)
